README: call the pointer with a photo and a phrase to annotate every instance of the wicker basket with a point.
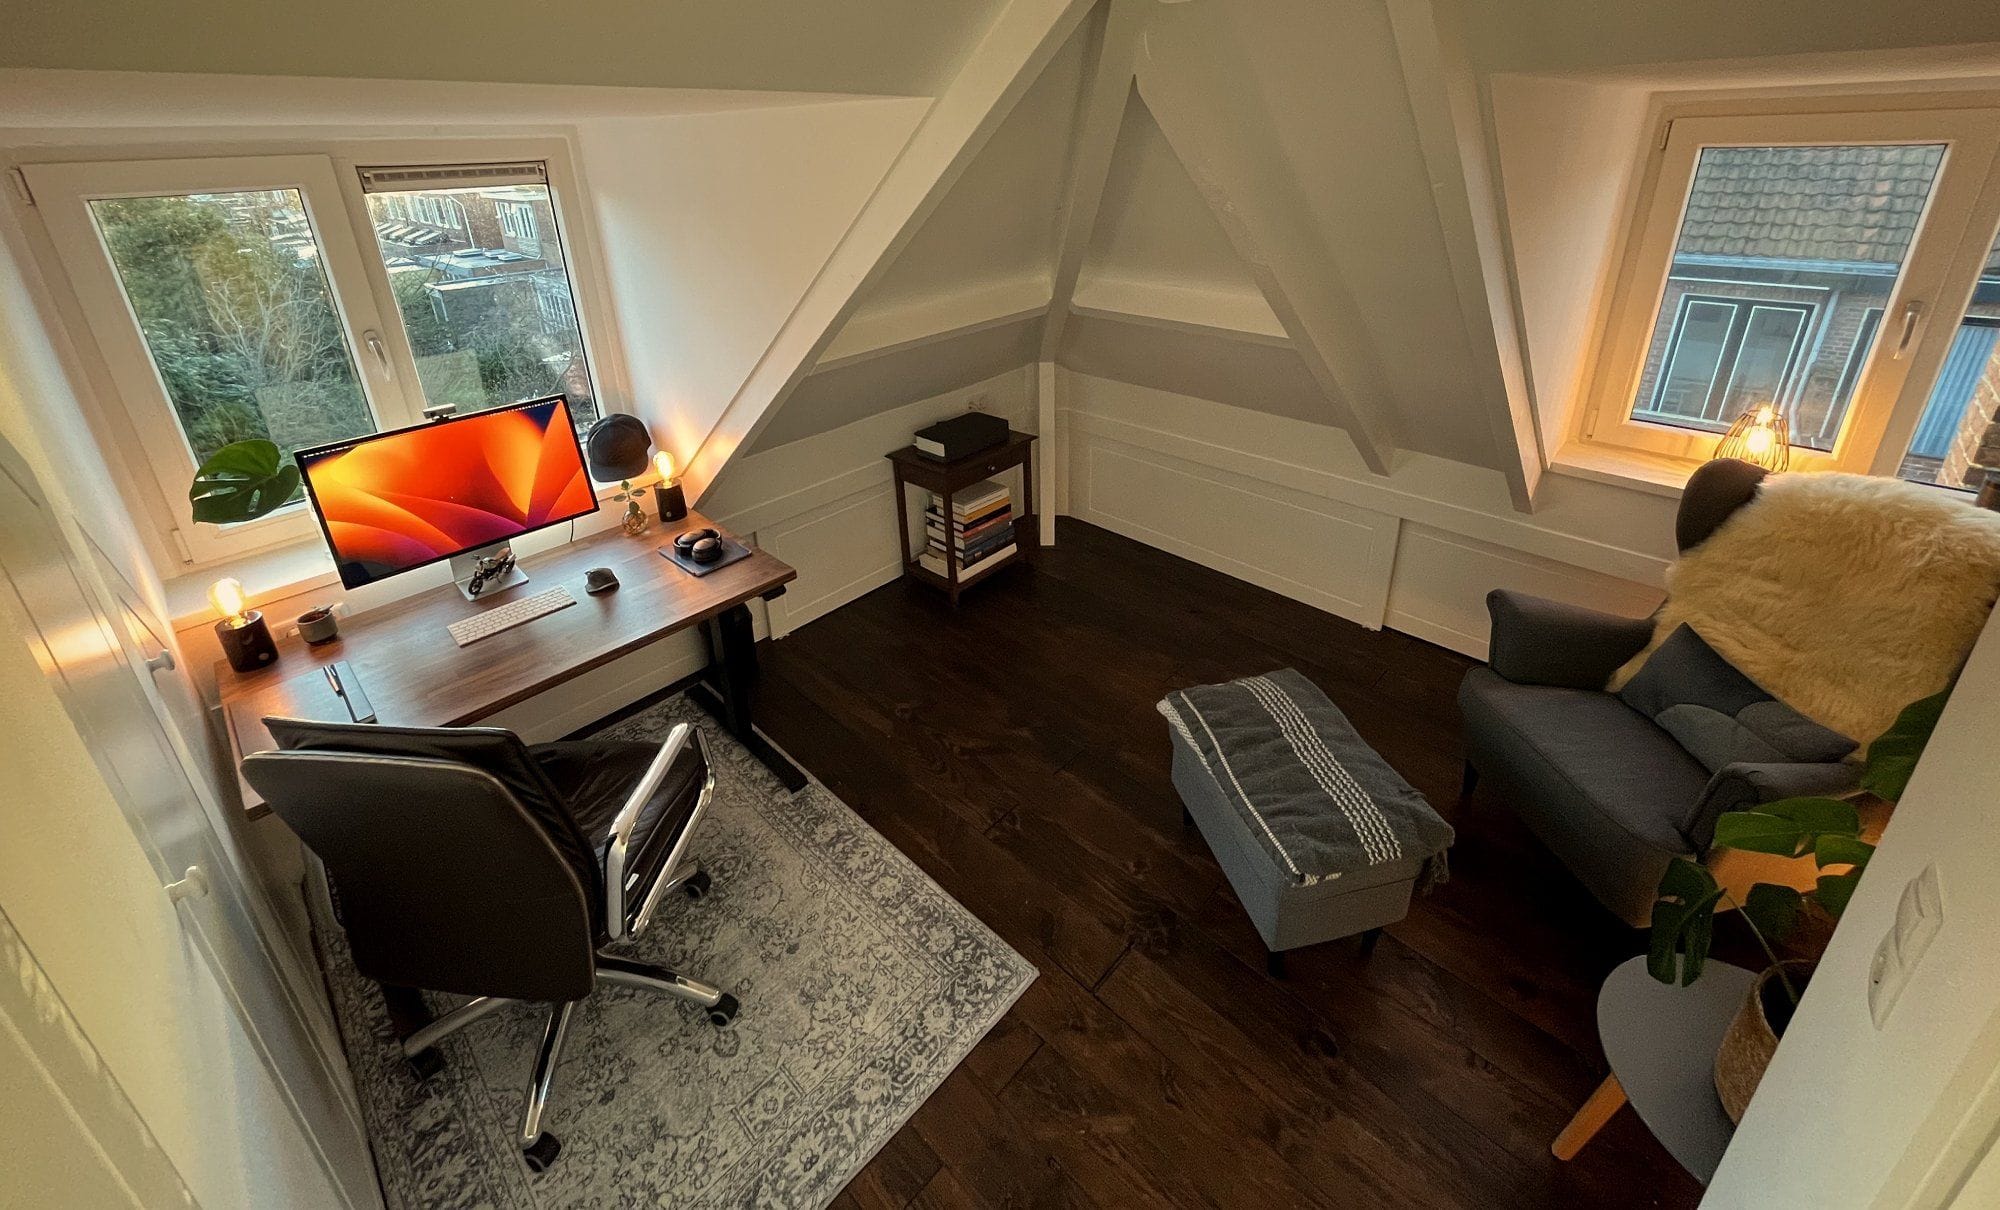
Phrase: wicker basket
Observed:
(1750, 1042)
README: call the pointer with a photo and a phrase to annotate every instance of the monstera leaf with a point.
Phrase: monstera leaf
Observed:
(241, 482)
(1892, 758)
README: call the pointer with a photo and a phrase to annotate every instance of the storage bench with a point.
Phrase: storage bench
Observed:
(1318, 836)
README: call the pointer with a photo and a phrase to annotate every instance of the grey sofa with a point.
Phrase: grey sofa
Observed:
(1611, 794)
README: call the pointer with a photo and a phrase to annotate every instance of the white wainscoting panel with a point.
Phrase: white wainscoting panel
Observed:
(1325, 552)
(842, 551)
(1438, 591)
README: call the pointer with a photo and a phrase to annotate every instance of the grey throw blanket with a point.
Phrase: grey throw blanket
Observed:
(1319, 800)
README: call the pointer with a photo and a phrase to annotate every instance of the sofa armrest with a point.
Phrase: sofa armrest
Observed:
(1745, 784)
(1542, 642)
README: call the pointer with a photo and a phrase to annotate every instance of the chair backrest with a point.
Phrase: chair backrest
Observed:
(1712, 495)
(457, 866)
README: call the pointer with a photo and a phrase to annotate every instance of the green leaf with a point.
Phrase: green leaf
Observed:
(241, 482)
(1818, 815)
(1759, 832)
(1842, 850)
(1773, 910)
(1683, 922)
(1892, 758)
(1834, 890)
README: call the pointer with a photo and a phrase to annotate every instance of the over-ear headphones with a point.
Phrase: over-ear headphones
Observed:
(701, 545)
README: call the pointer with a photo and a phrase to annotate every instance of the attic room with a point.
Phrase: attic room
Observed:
(1018, 602)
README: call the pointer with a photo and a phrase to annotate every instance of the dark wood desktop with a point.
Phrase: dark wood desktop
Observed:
(416, 676)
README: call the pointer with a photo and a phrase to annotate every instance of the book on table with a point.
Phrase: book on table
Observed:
(961, 435)
(933, 560)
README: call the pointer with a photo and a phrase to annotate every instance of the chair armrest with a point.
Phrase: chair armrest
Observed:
(1542, 642)
(618, 844)
(1746, 784)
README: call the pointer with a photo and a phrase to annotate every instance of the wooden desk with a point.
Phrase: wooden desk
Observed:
(416, 676)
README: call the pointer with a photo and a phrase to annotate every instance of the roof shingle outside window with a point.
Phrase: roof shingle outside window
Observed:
(1809, 203)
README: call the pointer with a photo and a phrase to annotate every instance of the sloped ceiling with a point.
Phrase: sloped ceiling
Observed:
(1164, 297)
(866, 46)
(1153, 224)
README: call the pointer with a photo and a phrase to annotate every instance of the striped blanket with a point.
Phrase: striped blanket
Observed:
(1320, 801)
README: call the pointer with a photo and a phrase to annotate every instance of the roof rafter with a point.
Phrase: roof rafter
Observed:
(1205, 104)
(1451, 135)
(1022, 40)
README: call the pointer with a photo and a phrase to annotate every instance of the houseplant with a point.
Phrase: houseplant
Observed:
(242, 481)
(1826, 829)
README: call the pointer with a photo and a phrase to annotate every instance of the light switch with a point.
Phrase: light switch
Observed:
(1919, 915)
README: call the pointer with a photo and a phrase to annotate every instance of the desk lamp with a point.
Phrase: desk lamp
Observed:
(245, 639)
(667, 494)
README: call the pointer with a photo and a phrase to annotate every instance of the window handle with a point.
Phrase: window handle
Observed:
(1913, 313)
(373, 340)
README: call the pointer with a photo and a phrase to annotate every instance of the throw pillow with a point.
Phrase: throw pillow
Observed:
(1719, 715)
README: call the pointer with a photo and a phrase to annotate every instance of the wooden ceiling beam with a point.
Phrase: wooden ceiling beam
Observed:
(1207, 104)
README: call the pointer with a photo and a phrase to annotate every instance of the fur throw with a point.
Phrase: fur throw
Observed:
(1847, 597)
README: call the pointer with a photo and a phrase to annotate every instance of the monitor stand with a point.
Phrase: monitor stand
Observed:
(466, 567)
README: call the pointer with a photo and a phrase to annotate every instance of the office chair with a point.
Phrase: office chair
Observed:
(465, 861)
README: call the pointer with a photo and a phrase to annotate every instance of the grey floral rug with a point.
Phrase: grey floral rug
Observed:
(863, 984)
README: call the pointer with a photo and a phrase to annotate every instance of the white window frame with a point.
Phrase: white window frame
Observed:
(1889, 394)
(63, 193)
(139, 411)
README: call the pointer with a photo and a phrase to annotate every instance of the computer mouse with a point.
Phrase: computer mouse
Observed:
(599, 579)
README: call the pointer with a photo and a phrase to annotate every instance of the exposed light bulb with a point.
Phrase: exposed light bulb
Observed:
(1759, 439)
(1765, 415)
(227, 597)
(663, 462)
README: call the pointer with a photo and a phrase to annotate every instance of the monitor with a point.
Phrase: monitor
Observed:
(392, 502)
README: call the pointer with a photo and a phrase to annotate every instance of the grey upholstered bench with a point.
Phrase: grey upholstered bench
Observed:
(1317, 834)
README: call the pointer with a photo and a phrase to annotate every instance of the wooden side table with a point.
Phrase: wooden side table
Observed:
(914, 469)
(1660, 1042)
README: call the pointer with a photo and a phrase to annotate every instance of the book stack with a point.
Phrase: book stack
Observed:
(980, 529)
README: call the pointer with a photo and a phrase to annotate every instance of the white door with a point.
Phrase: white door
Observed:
(177, 992)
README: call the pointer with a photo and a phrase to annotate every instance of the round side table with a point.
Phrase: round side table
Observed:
(1661, 1041)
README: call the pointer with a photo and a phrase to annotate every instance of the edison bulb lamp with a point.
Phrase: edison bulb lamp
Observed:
(667, 493)
(244, 638)
(1760, 436)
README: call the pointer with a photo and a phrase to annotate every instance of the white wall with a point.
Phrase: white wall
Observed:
(714, 225)
(1843, 1101)
(1288, 505)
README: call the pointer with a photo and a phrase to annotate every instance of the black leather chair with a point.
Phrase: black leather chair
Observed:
(465, 861)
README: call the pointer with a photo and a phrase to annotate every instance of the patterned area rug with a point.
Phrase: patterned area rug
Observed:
(863, 984)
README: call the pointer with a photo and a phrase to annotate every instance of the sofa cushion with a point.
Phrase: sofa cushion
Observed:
(1721, 716)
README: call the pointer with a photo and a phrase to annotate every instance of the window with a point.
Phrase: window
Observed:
(230, 300)
(1767, 263)
(491, 318)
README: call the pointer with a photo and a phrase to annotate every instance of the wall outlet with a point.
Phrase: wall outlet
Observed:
(976, 403)
(1919, 916)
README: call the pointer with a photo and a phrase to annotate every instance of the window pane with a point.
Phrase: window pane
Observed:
(1694, 358)
(236, 312)
(1816, 236)
(484, 291)
(1958, 436)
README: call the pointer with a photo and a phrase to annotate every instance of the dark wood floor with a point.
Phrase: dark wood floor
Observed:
(1011, 748)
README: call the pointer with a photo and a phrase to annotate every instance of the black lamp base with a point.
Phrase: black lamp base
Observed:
(247, 647)
(671, 501)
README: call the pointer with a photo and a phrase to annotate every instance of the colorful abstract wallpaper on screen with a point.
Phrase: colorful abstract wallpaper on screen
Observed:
(414, 497)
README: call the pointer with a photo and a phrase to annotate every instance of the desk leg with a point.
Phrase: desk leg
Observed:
(728, 690)
(1607, 1100)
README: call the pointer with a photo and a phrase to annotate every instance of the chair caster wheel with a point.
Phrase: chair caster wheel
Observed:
(425, 1063)
(724, 1010)
(697, 886)
(542, 1152)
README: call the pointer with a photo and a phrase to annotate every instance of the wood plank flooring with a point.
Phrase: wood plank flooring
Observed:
(1011, 748)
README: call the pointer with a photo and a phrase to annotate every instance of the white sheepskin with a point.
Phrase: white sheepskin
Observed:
(1847, 597)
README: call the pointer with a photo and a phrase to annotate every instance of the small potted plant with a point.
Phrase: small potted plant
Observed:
(1826, 829)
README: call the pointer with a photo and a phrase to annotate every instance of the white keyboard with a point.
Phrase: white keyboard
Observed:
(506, 617)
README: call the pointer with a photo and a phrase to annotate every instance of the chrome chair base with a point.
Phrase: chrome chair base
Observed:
(538, 1147)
